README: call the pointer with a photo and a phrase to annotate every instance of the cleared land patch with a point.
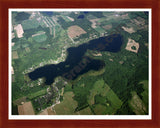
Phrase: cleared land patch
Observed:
(145, 92)
(100, 109)
(19, 101)
(86, 111)
(19, 30)
(131, 43)
(67, 106)
(26, 109)
(107, 27)
(137, 104)
(40, 38)
(112, 102)
(129, 30)
(30, 24)
(75, 31)
(36, 94)
(15, 55)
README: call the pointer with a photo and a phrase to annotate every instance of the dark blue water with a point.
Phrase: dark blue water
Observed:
(77, 63)
(80, 17)
(85, 12)
(47, 13)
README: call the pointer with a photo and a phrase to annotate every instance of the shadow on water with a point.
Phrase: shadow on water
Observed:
(77, 63)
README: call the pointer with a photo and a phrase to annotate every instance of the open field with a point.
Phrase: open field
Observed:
(19, 101)
(98, 88)
(15, 55)
(26, 109)
(36, 94)
(99, 29)
(86, 111)
(47, 111)
(145, 92)
(19, 30)
(129, 30)
(101, 88)
(27, 49)
(131, 43)
(39, 33)
(50, 111)
(75, 31)
(100, 109)
(30, 24)
(67, 19)
(107, 27)
(67, 106)
(137, 104)
(40, 38)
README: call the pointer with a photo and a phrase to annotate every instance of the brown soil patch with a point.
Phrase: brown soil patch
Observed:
(19, 101)
(107, 27)
(50, 111)
(129, 30)
(19, 30)
(130, 44)
(15, 55)
(94, 22)
(26, 109)
(75, 31)
(45, 112)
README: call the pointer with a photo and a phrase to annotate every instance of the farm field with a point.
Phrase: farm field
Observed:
(30, 24)
(40, 38)
(64, 108)
(75, 31)
(26, 109)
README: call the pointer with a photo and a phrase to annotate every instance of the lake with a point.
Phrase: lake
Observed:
(76, 62)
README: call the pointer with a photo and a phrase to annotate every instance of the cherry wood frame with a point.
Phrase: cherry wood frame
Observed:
(6, 4)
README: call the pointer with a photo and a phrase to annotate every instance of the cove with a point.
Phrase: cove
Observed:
(76, 62)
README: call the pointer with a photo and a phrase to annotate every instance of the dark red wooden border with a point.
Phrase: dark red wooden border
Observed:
(6, 4)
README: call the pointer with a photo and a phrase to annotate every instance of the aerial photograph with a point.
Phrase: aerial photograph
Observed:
(79, 62)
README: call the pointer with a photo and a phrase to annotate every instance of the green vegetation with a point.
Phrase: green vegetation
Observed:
(67, 106)
(99, 29)
(20, 16)
(30, 24)
(117, 89)
(36, 94)
(40, 38)
(14, 109)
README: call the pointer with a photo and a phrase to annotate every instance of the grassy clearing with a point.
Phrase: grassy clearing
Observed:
(137, 104)
(30, 24)
(40, 38)
(115, 101)
(99, 29)
(67, 106)
(86, 111)
(19, 101)
(66, 18)
(112, 102)
(100, 109)
(97, 89)
(15, 55)
(27, 49)
(145, 92)
(36, 94)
